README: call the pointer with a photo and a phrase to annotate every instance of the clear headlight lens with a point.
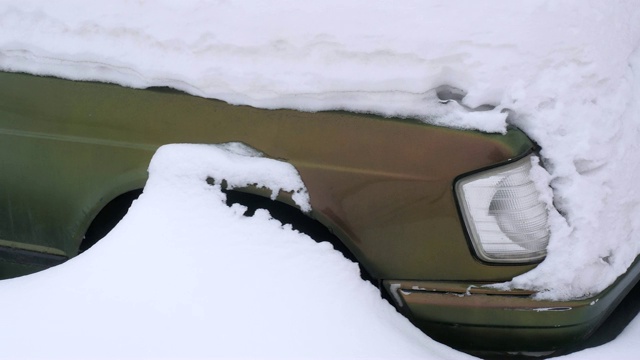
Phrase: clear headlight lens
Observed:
(505, 218)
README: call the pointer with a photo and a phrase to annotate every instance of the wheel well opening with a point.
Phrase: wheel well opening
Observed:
(108, 218)
(117, 208)
(288, 214)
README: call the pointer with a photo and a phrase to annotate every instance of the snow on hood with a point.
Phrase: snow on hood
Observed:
(564, 67)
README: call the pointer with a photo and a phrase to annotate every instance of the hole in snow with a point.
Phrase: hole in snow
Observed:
(449, 93)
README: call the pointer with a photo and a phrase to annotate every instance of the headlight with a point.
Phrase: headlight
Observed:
(504, 216)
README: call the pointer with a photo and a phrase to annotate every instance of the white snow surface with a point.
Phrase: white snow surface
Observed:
(184, 276)
(568, 69)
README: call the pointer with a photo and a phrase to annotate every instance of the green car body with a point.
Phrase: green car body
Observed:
(385, 187)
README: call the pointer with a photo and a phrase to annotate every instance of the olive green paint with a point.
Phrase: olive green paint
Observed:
(383, 186)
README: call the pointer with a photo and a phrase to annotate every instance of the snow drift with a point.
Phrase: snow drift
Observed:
(184, 276)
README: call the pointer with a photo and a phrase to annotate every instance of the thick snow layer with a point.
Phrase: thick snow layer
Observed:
(184, 276)
(593, 160)
(564, 67)
(569, 70)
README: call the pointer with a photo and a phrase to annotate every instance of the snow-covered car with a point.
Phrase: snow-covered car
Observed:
(432, 214)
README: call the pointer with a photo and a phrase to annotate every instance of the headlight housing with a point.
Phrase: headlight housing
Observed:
(504, 216)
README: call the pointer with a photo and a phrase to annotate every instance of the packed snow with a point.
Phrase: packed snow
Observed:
(568, 72)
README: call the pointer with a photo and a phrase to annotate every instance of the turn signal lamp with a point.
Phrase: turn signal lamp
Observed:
(505, 218)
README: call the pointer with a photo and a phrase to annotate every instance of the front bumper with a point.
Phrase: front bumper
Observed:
(470, 317)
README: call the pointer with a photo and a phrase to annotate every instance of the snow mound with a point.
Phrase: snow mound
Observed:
(184, 276)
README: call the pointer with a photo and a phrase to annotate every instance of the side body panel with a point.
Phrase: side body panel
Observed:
(384, 186)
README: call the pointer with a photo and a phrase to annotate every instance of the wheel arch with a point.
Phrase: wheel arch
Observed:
(99, 204)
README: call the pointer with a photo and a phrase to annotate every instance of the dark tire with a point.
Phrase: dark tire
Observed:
(287, 214)
(107, 219)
